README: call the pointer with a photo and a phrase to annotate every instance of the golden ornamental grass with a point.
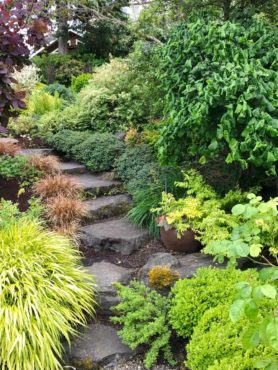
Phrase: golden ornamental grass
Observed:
(44, 296)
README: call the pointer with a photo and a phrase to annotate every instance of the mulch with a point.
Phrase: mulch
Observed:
(135, 260)
(29, 143)
(9, 191)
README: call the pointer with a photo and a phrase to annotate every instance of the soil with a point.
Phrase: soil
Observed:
(9, 190)
(135, 260)
(28, 143)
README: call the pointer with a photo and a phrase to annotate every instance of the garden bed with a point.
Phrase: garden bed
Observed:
(135, 260)
(9, 191)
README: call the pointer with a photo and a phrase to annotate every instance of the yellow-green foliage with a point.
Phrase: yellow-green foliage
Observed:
(42, 102)
(44, 296)
(162, 277)
(208, 288)
(216, 344)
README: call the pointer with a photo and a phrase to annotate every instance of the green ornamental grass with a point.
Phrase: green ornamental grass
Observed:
(44, 296)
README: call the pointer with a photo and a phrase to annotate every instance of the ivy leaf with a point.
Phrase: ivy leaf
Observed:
(266, 364)
(237, 310)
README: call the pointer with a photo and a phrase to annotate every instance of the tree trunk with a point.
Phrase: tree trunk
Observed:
(63, 31)
(226, 9)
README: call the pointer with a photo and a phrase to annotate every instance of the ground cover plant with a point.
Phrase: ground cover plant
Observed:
(46, 308)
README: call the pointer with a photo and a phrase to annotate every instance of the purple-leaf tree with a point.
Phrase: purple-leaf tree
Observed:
(22, 26)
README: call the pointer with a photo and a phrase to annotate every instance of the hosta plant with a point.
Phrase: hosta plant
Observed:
(44, 296)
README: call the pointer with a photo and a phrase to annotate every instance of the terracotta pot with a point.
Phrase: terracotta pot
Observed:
(187, 243)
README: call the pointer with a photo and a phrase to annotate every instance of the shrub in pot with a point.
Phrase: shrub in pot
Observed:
(199, 216)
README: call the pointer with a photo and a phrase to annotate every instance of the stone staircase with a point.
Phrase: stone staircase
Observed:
(105, 227)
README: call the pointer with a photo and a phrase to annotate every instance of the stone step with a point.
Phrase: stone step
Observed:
(41, 151)
(72, 167)
(118, 235)
(106, 274)
(186, 265)
(95, 185)
(97, 345)
(107, 207)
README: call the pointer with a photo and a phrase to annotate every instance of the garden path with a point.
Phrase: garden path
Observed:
(105, 227)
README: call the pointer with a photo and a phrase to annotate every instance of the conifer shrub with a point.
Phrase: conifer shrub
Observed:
(208, 288)
(132, 161)
(99, 151)
(44, 295)
(143, 314)
(65, 140)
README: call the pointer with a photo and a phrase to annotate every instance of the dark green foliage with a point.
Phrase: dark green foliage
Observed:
(143, 314)
(99, 151)
(147, 194)
(224, 98)
(143, 178)
(65, 141)
(132, 161)
(80, 81)
(64, 65)
(144, 200)
(209, 288)
(62, 90)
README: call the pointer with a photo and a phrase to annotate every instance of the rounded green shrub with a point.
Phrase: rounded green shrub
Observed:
(148, 174)
(208, 288)
(132, 160)
(98, 151)
(80, 81)
(65, 141)
(44, 296)
(216, 343)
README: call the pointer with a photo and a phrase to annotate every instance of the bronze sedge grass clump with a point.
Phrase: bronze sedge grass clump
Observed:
(45, 295)
(62, 211)
(8, 148)
(48, 165)
(53, 186)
